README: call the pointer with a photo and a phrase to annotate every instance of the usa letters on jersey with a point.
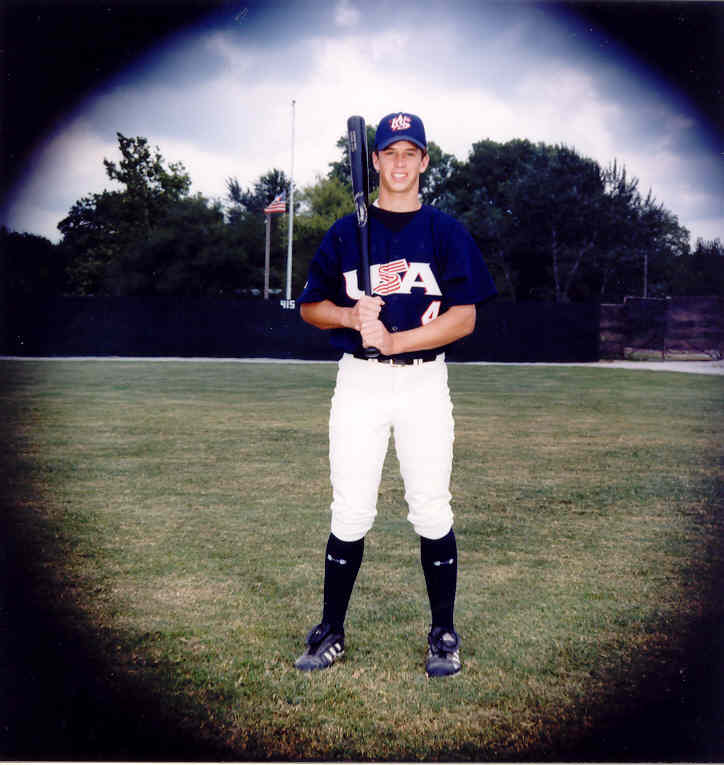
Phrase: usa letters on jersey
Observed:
(420, 264)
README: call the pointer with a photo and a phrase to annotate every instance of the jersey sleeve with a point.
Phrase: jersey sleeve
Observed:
(465, 275)
(323, 271)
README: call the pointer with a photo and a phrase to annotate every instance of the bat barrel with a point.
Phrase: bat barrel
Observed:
(357, 144)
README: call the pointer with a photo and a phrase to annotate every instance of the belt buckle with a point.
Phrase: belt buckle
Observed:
(390, 362)
(398, 362)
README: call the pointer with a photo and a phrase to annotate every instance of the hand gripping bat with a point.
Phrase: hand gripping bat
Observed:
(357, 140)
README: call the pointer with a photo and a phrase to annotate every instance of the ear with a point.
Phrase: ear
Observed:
(375, 161)
(424, 162)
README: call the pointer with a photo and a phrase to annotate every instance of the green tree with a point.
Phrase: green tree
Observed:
(433, 180)
(149, 187)
(245, 241)
(559, 202)
(618, 261)
(554, 226)
(246, 233)
(191, 252)
(483, 193)
(255, 199)
(699, 272)
(32, 266)
(707, 269)
(91, 241)
(340, 168)
(325, 201)
(103, 232)
(638, 243)
(321, 204)
(658, 240)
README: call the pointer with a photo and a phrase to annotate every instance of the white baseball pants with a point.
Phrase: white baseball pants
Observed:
(370, 400)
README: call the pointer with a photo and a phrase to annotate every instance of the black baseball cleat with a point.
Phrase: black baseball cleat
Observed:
(324, 647)
(443, 656)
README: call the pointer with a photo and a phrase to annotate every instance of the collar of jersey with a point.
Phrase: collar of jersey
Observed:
(395, 221)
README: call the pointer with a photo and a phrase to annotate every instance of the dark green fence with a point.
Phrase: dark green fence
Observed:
(254, 328)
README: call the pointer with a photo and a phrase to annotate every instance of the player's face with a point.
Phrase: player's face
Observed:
(399, 166)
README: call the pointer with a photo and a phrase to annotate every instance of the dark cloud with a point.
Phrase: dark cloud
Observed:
(56, 52)
(678, 42)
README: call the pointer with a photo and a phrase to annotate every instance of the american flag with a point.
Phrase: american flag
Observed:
(278, 204)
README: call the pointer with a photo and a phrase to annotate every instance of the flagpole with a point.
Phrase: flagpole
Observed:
(291, 219)
(267, 248)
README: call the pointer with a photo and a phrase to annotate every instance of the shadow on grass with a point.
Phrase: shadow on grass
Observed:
(63, 700)
(676, 714)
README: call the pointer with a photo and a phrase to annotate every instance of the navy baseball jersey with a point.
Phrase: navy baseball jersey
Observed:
(421, 264)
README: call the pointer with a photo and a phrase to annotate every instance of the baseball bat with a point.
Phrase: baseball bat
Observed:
(357, 142)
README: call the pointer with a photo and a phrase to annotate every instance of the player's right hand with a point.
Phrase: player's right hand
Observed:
(366, 309)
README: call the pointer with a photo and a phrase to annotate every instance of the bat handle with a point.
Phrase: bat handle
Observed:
(370, 352)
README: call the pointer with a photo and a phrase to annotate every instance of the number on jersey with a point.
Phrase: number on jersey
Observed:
(432, 312)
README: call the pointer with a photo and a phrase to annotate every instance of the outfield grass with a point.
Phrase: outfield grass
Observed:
(173, 517)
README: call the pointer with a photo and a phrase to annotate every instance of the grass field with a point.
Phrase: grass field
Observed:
(165, 525)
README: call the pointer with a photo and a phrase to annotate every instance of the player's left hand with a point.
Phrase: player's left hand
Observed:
(375, 335)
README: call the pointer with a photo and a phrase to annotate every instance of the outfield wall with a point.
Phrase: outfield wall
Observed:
(690, 326)
(254, 328)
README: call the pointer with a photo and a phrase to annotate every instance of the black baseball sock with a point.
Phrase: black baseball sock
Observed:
(439, 558)
(341, 564)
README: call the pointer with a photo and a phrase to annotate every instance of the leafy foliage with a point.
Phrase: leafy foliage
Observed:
(30, 265)
(150, 187)
(255, 200)
(340, 168)
(321, 204)
(552, 225)
(700, 272)
(103, 233)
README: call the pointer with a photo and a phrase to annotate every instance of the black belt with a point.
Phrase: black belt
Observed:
(421, 359)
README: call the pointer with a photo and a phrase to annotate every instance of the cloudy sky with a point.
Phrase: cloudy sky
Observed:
(217, 95)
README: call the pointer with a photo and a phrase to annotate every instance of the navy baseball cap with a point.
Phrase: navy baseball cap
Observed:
(400, 126)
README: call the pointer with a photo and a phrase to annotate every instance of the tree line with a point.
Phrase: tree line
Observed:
(553, 226)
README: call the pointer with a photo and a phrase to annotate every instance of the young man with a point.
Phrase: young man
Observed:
(427, 277)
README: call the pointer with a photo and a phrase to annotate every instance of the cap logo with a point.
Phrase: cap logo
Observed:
(400, 122)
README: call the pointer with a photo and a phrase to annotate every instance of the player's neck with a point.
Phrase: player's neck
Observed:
(407, 202)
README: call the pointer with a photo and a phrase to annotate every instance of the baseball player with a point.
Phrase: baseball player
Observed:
(427, 277)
